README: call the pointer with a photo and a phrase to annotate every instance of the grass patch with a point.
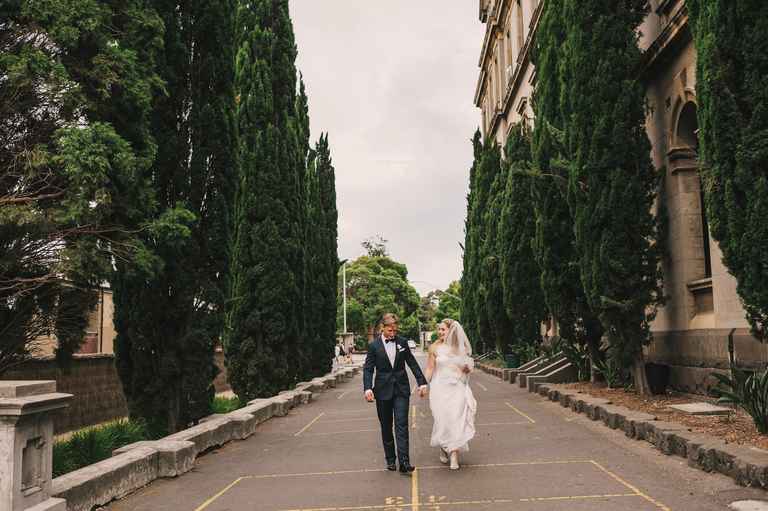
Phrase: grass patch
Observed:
(225, 404)
(92, 445)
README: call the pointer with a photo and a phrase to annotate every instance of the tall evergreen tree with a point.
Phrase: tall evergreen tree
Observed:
(732, 91)
(264, 324)
(612, 183)
(495, 326)
(168, 324)
(328, 248)
(554, 242)
(471, 244)
(519, 273)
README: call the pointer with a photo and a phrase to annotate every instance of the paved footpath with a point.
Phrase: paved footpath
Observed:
(529, 454)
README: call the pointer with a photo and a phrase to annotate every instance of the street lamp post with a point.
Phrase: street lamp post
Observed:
(344, 287)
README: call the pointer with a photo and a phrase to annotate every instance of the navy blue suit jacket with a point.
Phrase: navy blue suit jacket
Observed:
(389, 378)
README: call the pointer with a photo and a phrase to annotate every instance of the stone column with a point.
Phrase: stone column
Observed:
(26, 445)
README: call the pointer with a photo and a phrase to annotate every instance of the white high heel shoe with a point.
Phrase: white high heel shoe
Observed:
(454, 460)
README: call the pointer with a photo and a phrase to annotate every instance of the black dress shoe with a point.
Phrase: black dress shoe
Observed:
(391, 467)
(406, 468)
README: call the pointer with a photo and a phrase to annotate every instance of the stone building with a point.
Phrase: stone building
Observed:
(691, 332)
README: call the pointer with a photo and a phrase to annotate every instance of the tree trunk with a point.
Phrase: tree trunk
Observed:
(638, 375)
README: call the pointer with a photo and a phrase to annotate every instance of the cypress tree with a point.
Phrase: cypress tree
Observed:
(732, 93)
(495, 326)
(471, 243)
(168, 323)
(554, 242)
(520, 276)
(328, 248)
(612, 184)
(263, 328)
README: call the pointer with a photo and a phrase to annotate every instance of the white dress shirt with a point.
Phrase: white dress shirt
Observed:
(391, 348)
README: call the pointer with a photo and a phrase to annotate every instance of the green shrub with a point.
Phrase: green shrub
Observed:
(748, 391)
(225, 404)
(91, 445)
(611, 371)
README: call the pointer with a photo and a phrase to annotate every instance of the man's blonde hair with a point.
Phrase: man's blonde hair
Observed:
(389, 319)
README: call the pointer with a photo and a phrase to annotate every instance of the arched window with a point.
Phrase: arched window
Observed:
(686, 136)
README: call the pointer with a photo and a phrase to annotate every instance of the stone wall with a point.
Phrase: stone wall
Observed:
(92, 379)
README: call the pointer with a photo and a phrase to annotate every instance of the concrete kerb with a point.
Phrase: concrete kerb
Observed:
(747, 466)
(136, 465)
(103, 482)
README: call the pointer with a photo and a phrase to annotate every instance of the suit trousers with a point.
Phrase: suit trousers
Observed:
(397, 409)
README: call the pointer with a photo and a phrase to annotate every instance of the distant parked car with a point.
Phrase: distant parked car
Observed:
(412, 344)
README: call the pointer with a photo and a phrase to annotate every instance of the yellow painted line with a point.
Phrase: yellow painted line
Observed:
(343, 394)
(317, 474)
(415, 490)
(302, 430)
(222, 492)
(413, 417)
(631, 487)
(503, 423)
(355, 419)
(481, 386)
(343, 432)
(415, 506)
(519, 412)
(579, 497)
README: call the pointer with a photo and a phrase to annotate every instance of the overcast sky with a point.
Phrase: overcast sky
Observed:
(393, 83)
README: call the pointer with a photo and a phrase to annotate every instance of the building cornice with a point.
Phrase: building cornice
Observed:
(676, 33)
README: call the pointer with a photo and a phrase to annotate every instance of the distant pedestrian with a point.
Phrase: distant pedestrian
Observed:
(342, 353)
(337, 352)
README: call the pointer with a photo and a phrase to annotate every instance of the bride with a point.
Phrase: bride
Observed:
(451, 400)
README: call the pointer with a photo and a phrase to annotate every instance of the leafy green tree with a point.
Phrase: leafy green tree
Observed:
(519, 273)
(732, 99)
(376, 246)
(264, 326)
(554, 241)
(375, 286)
(74, 144)
(449, 305)
(611, 191)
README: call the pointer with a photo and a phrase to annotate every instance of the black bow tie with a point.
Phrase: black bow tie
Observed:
(391, 339)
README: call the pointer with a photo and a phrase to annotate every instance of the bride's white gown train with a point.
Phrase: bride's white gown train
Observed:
(452, 403)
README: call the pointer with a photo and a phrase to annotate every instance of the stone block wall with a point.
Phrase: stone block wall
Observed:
(93, 380)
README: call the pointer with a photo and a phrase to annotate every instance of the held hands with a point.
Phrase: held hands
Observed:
(369, 395)
(423, 391)
(466, 369)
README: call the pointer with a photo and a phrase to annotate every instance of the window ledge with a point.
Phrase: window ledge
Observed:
(700, 285)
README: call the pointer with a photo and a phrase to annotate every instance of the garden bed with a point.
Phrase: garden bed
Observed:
(736, 428)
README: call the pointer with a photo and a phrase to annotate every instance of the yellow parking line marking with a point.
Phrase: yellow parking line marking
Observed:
(413, 417)
(415, 506)
(481, 386)
(302, 430)
(503, 423)
(343, 394)
(355, 419)
(222, 492)
(521, 413)
(342, 432)
(415, 490)
(631, 487)
(580, 497)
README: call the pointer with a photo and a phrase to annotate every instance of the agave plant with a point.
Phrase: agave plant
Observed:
(748, 391)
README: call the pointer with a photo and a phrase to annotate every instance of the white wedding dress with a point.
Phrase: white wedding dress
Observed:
(452, 402)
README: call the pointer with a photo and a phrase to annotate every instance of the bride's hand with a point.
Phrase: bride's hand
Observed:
(466, 369)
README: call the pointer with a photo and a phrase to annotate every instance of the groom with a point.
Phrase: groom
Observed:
(387, 356)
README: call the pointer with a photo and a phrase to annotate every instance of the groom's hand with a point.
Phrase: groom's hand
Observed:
(423, 391)
(369, 395)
